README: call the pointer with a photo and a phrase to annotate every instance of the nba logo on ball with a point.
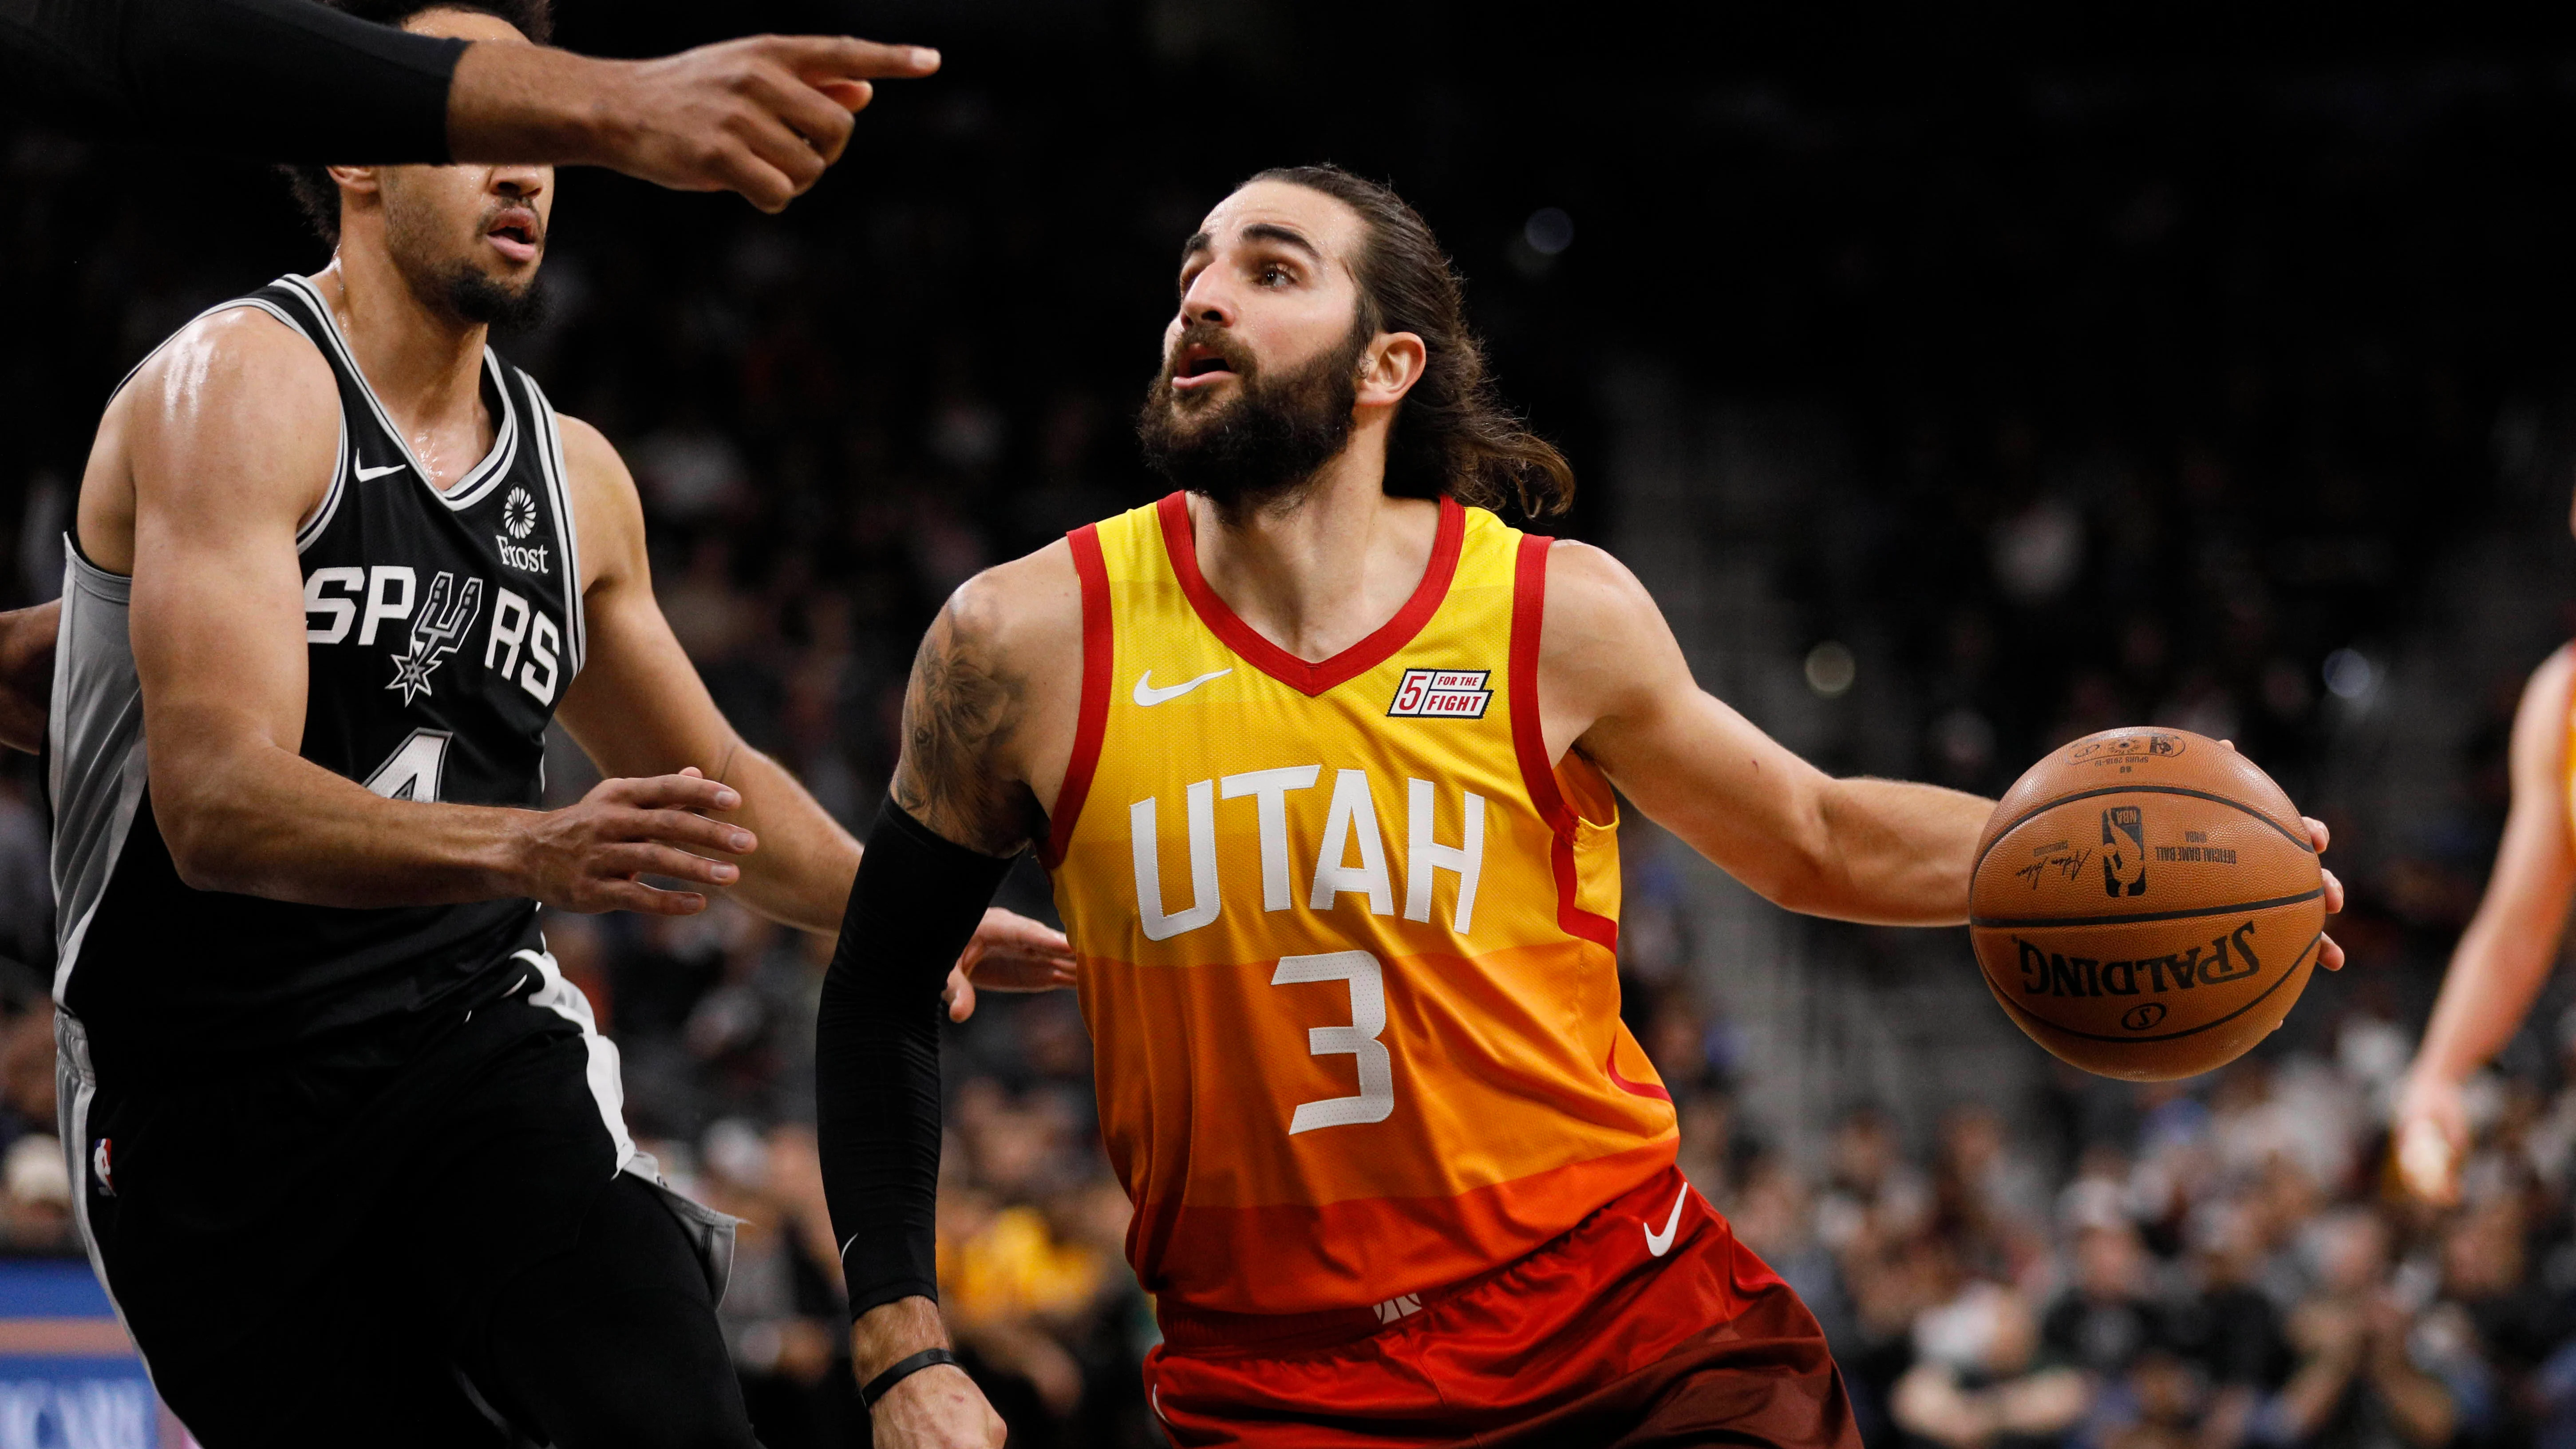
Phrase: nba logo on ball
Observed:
(2131, 988)
(2124, 851)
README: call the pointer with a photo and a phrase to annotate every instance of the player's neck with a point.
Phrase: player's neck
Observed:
(424, 364)
(1326, 571)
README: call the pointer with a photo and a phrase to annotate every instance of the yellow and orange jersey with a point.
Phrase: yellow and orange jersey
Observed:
(1347, 941)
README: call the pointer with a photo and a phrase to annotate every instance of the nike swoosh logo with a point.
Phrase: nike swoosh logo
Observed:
(1148, 695)
(1658, 1244)
(365, 472)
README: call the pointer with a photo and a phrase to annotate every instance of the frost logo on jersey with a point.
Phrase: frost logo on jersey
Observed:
(1441, 694)
(436, 631)
(519, 516)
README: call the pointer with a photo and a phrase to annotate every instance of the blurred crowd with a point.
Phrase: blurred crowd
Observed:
(2231, 1265)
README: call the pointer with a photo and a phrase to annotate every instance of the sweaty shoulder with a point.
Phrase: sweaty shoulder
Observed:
(236, 412)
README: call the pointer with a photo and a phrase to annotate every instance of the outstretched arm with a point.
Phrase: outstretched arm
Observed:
(2510, 945)
(1613, 684)
(27, 674)
(290, 80)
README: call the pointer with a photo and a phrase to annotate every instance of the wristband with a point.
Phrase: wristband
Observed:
(904, 1368)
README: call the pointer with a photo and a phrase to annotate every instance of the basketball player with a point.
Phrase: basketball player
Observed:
(351, 1156)
(1320, 754)
(2512, 942)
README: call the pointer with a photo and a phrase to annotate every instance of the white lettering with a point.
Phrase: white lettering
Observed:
(1147, 846)
(342, 611)
(382, 605)
(532, 560)
(1353, 813)
(509, 626)
(1423, 855)
(1269, 790)
(543, 641)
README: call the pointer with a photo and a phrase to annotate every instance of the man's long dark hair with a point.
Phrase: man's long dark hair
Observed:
(315, 191)
(1453, 435)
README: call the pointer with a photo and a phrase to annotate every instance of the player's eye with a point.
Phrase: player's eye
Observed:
(1274, 275)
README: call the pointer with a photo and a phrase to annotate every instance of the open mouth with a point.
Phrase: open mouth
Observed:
(1199, 365)
(514, 234)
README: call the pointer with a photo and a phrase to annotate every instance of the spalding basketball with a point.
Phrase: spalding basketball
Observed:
(2146, 904)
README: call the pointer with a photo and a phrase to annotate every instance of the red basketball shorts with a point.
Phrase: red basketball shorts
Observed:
(1649, 1324)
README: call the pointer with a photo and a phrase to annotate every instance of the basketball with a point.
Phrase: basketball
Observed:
(2146, 904)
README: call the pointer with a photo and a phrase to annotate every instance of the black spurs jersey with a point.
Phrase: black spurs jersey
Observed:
(441, 629)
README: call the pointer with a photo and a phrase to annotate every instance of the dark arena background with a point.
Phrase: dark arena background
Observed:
(1957, 391)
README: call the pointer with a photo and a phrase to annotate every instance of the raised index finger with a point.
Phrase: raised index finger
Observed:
(819, 58)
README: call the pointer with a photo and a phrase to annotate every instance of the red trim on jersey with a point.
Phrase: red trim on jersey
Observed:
(1311, 678)
(1099, 641)
(1529, 741)
(1610, 1064)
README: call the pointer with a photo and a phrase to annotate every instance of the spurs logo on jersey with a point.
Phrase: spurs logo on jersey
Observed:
(441, 626)
(1348, 944)
(436, 631)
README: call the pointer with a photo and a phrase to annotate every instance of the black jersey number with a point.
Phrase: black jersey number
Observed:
(412, 771)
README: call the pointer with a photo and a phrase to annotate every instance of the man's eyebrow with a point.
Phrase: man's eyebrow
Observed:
(1286, 236)
(1258, 231)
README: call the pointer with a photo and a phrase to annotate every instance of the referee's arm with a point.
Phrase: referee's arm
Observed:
(296, 81)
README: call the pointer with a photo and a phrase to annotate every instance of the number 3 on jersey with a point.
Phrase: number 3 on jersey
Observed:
(1367, 980)
(411, 772)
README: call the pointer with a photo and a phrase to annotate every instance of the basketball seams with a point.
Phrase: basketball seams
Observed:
(2301, 841)
(2038, 923)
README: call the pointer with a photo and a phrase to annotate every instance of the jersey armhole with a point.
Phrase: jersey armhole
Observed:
(1098, 645)
(1529, 742)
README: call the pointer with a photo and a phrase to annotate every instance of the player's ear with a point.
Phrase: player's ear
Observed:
(361, 179)
(1390, 368)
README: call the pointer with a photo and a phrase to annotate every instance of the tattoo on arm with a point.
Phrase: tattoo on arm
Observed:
(960, 709)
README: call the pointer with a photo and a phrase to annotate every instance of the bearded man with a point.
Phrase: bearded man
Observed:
(1320, 755)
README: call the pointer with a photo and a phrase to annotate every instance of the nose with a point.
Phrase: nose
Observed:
(1207, 300)
(520, 183)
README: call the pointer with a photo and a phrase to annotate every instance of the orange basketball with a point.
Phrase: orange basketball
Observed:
(2146, 904)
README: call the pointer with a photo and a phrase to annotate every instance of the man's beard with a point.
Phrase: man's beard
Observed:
(470, 293)
(1265, 447)
(454, 285)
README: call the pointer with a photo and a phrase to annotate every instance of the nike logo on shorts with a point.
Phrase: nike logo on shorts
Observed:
(1658, 1244)
(365, 472)
(1148, 695)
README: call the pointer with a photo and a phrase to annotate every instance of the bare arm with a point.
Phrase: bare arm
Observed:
(2510, 945)
(639, 708)
(27, 674)
(762, 116)
(222, 444)
(1613, 682)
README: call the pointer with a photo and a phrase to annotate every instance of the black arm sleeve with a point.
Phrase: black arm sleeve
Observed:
(876, 1051)
(277, 80)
